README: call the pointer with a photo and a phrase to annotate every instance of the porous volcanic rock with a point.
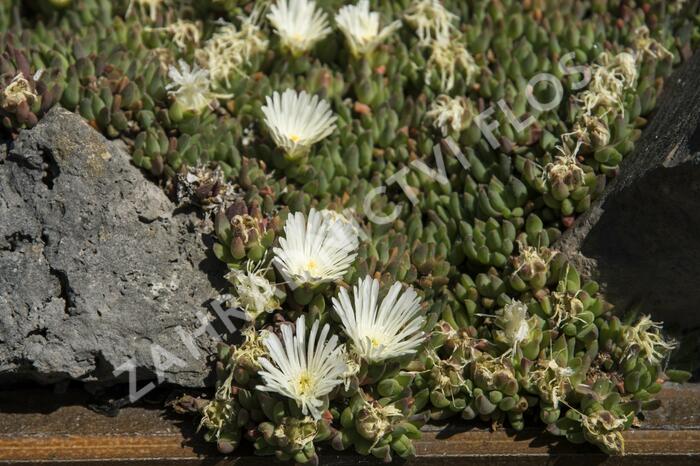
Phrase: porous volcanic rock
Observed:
(96, 266)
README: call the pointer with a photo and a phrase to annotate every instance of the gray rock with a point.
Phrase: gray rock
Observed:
(641, 239)
(95, 266)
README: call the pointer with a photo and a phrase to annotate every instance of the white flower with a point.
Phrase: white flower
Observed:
(316, 249)
(299, 24)
(191, 87)
(430, 19)
(303, 370)
(451, 114)
(254, 293)
(336, 216)
(361, 27)
(347, 216)
(514, 324)
(385, 330)
(297, 121)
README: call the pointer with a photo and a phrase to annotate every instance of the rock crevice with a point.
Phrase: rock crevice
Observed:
(641, 239)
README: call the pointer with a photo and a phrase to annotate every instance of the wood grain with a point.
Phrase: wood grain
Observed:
(37, 427)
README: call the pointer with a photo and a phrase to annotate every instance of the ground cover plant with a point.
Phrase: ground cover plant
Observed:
(386, 181)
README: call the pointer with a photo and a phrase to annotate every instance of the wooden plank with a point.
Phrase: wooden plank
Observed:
(39, 428)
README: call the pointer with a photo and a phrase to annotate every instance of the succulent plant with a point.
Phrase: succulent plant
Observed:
(411, 129)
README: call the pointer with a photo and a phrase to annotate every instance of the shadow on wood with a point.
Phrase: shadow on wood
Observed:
(39, 427)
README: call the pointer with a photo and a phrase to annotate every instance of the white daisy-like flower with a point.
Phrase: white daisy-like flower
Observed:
(191, 87)
(303, 370)
(297, 121)
(381, 331)
(299, 24)
(430, 19)
(254, 293)
(315, 250)
(361, 28)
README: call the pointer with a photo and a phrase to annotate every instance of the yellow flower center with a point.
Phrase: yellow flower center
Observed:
(375, 342)
(311, 266)
(304, 383)
(295, 138)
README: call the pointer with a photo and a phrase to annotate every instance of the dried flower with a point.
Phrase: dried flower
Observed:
(147, 8)
(230, 49)
(646, 46)
(430, 19)
(184, 33)
(191, 87)
(565, 168)
(18, 91)
(254, 293)
(451, 114)
(448, 55)
(645, 339)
